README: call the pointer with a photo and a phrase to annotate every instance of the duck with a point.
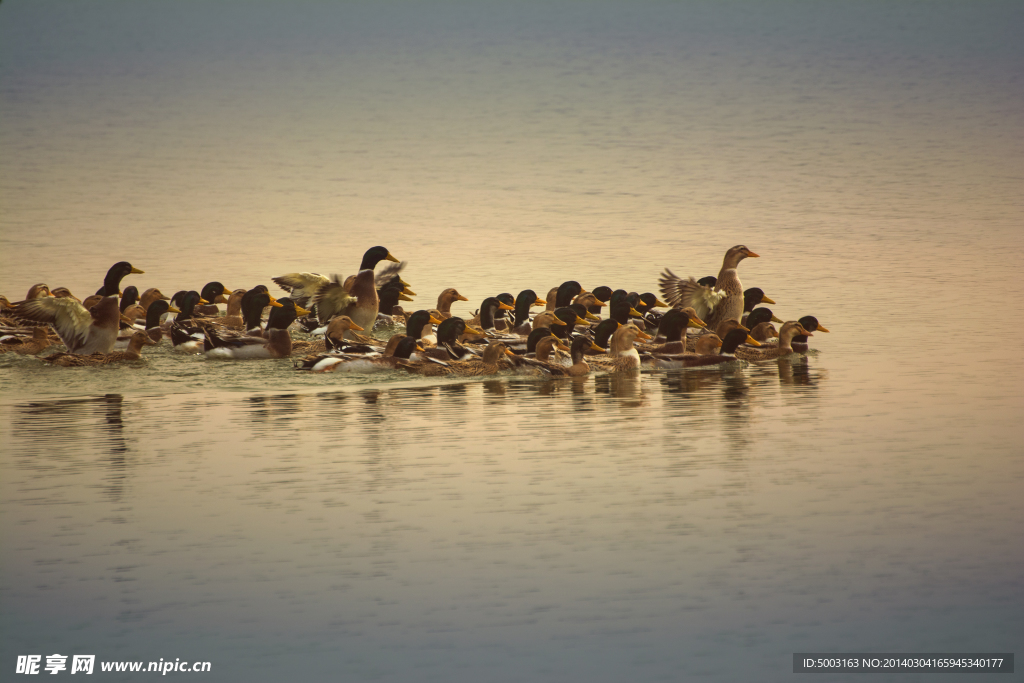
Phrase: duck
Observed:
(621, 311)
(762, 332)
(722, 301)
(603, 332)
(623, 356)
(523, 303)
(64, 293)
(811, 323)
(232, 317)
(215, 293)
(707, 345)
(276, 342)
(671, 332)
(403, 348)
(489, 364)
(360, 302)
(754, 296)
(187, 334)
(601, 295)
(38, 291)
(544, 345)
(388, 298)
(419, 327)
(153, 316)
(485, 320)
(448, 346)
(133, 352)
(445, 300)
(789, 330)
(760, 315)
(150, 295)
(254, 302)
(568, 291)
(27, 345)
(726, 354)
(83, 330)
(116, 273)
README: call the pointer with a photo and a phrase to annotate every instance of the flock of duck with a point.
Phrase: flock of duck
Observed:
(359, 325)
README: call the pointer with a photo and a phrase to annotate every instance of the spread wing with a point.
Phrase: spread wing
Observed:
(71, 320)
(681, 293)
(332, 299)
(388, 272)
(301, 286)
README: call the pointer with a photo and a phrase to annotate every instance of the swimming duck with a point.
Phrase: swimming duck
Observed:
(489, 364)
(762, 332)
(568, 291)
(602, 296)
(153, 315)
(419, 327)
(623, 356)
(621, 311)
(752, 297)
(758, 316)
(670, 333)
(726, 354)
(448, 346)
(112, 281)
(27, 345)
(485, 319)
(276, 342)
(64, 293)
(133, 352)
(445, 300)
(789, 330)
(569, 319)
(83, 330)
(215, 293)
(526, 300)
(403, 349)
(723, 301)
(707, 345)
(38, 291)
(150, 295)
(811, 323)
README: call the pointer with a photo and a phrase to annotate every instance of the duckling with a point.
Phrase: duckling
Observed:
(526, 300)
(39, 341)
(112, 281)
(445, 300)
(489, 364)
(623, 356)
(133, 352)
(215, 293)
(789, 330)
(83, 331)
(38, 291)
(707, 345)
(723, 301)
(811, 323)
(276, 342)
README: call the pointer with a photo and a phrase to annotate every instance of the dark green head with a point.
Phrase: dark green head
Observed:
(211, 291)
(648, 300)
(673, 325)
(604, 331)
(112, 282)
(602, 293)
(253, 303)
(506, 299)
(752, 297)
(732, 342)
(448, 331)
(405, 348)
(619, 311)
(129, 297)
(617, 296)
(187, 304)
(758, 316)
(568, 317)
(536, 336)
(153, 313)
(578, 348)
(417, 321)
(526, 298)
(567, 291)
(282, 316)
(388, 296)
(375, 255)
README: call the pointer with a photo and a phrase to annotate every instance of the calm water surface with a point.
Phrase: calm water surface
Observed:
(670, 526)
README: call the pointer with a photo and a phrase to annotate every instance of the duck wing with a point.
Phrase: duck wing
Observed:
(387, 273)
(332, 299)
(71, 320)
(681, 293)
(301, 286)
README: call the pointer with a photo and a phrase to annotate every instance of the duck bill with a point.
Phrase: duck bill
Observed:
(403, 297)
(696, 322)
(591, 316)
(559, 345)
(539, 302)
(595, 347)
(658, 303)
(643, 335)
(635, 313)
(274, 302)
(752, 254)
(752, 341)
(391, 258)
(408, 291)
(435, 321)
(172, 309)
(203, 301)
(137, 271)
(766, 300)
(777, 319)
(459, 297)
(355, 327)
(508, 352)
(821, 329)
(301, 311)
(473, 330)
(505, 307)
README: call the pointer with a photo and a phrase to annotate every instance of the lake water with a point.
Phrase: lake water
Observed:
(671, 526)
